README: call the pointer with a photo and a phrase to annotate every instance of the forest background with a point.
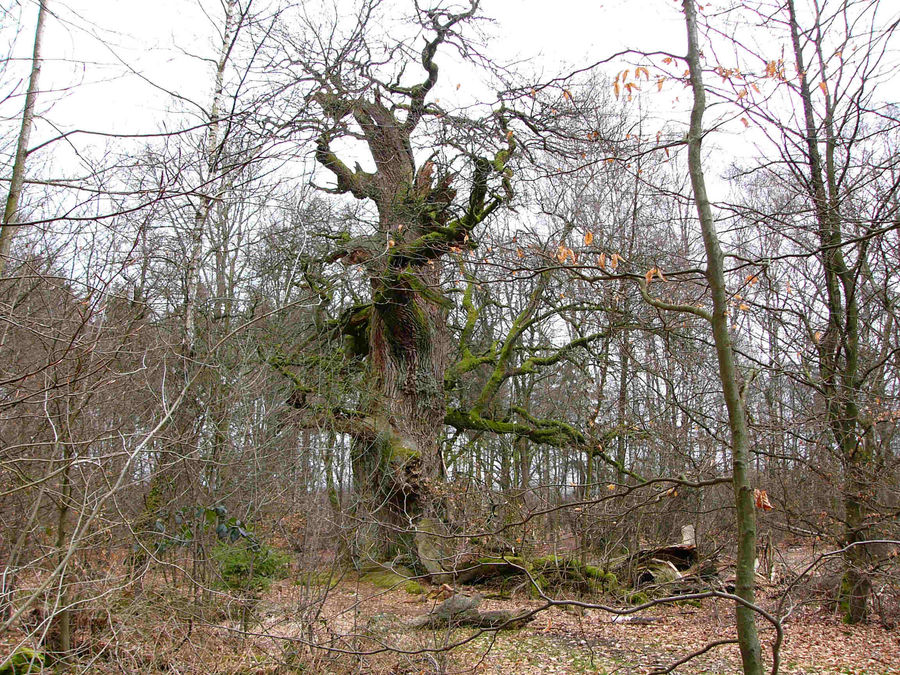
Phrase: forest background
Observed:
(598, 306)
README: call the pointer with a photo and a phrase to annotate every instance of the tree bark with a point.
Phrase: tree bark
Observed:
(210, 181)
(397, 464)
(396, 457)
(748, 637)
(60, 633)
(838, 348)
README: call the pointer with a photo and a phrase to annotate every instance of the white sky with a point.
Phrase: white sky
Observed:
(102, 55)
(88, 41)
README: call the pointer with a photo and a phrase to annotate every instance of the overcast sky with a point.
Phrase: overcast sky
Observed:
(110, 61)
(92, 45)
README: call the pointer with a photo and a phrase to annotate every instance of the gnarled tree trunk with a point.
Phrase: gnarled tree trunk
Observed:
(397, 463)
(396, 457)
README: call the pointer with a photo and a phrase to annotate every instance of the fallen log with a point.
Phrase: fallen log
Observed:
(681, 556)
(668, 566)
(635, 620)
(462, 610)
(655, 572)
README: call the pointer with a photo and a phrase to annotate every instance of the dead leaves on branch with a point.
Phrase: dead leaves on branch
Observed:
(654, 272)
(762, 500)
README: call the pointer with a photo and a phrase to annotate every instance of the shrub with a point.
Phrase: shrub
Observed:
(248, 566)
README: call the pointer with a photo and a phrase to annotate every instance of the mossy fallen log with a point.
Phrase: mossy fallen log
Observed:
(484, 569)
(557, 573)
(549, 572)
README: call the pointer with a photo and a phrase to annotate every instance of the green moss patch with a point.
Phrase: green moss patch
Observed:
(393, 577)
(414, 587)
(569, 574)
(23, 660)
(329, 579)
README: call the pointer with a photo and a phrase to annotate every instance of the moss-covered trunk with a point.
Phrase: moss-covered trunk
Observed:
(398, 467)
(396, 457)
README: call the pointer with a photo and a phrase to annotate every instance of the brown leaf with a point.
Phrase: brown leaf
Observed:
(762, 500)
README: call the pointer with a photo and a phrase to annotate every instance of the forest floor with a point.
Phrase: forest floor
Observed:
(162, 630)
(563, 641)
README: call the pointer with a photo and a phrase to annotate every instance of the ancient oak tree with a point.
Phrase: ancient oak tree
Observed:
(402, 331)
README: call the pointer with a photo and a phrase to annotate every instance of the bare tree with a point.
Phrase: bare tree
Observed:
(399, 419)
(833, 192)
(17, 180)
(729, 376)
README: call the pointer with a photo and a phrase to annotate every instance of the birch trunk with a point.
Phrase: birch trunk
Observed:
(209, 183)
(11, 211)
